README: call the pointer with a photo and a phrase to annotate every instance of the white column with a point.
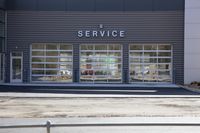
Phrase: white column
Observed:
(192, 41)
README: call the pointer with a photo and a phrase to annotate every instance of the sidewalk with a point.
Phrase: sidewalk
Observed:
(63, 106)
(97, 120)
(75, 95)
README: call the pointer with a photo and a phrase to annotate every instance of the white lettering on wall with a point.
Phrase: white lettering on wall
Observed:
(122, 33)
(80, 33)
(101, 33)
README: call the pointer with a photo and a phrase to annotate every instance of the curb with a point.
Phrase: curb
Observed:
(190, 89)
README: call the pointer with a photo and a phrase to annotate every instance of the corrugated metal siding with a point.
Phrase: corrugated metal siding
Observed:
(26, 27)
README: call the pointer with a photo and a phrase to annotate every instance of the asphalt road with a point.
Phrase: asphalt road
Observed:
(103, 90)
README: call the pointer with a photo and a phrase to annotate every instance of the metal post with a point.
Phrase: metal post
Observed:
(48, 124)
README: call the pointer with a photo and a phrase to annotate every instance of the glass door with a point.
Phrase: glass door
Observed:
(16, 67)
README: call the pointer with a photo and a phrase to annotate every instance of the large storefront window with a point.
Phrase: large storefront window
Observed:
(101, 63)
(52, 62)
(150, 63)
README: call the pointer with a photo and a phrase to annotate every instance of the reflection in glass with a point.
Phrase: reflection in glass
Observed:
(38, 46)
(38, 53)
(164, 47)
(52, 62)
(164, 54)
(102, 64)
(16, 69)
(150, 60)
(86, 47)
(51, 53)
(136, 54)
(37, 65)
(164, 66)
(100, 47)
(51, 59)
(150, 54)
(63, 53)
(136, 47)
(51, 47)
(86, 53)
(136, 60)
(150, 47)
(65, 47)
(114, 54)
(150, 63)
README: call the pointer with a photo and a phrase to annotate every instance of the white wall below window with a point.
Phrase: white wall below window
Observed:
(192, 41)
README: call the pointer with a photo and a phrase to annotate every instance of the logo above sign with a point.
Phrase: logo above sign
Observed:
(101, 33)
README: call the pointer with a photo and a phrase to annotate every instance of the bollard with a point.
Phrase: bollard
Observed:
(48, 124)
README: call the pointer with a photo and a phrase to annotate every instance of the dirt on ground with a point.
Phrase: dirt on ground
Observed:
(98, 107)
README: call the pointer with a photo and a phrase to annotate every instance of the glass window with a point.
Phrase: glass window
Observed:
(150, 60)
(100, 47)
(39, 59)
(65, 53)
(151, 64)
(164, 66)
(136, 54)
(164, 54)
(65, 47)
(52, 62)
(51, 53)
(136, 60)
(51, 47)
(37, 53)
(102, 64)
(117, 54)
(136, 47)
(86, 47)
(38, 46)
(38, 66)
(150, 47)
(164, 47)
(150, 54)
(114, 47)
(164, 60)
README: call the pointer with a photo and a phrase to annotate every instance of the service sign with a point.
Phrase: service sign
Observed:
(101, 33)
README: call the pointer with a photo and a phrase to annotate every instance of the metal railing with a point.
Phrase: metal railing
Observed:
(48, 125)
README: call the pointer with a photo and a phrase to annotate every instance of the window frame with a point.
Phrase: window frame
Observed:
(53, 63)
(142, 63)
(94, 70)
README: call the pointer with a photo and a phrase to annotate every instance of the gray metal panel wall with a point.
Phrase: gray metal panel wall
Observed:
(26, 27)
(96, 5)
(2, 4)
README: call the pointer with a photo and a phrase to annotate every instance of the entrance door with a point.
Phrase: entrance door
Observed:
(16, 67)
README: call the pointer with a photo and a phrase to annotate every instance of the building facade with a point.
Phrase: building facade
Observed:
(98, 41)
